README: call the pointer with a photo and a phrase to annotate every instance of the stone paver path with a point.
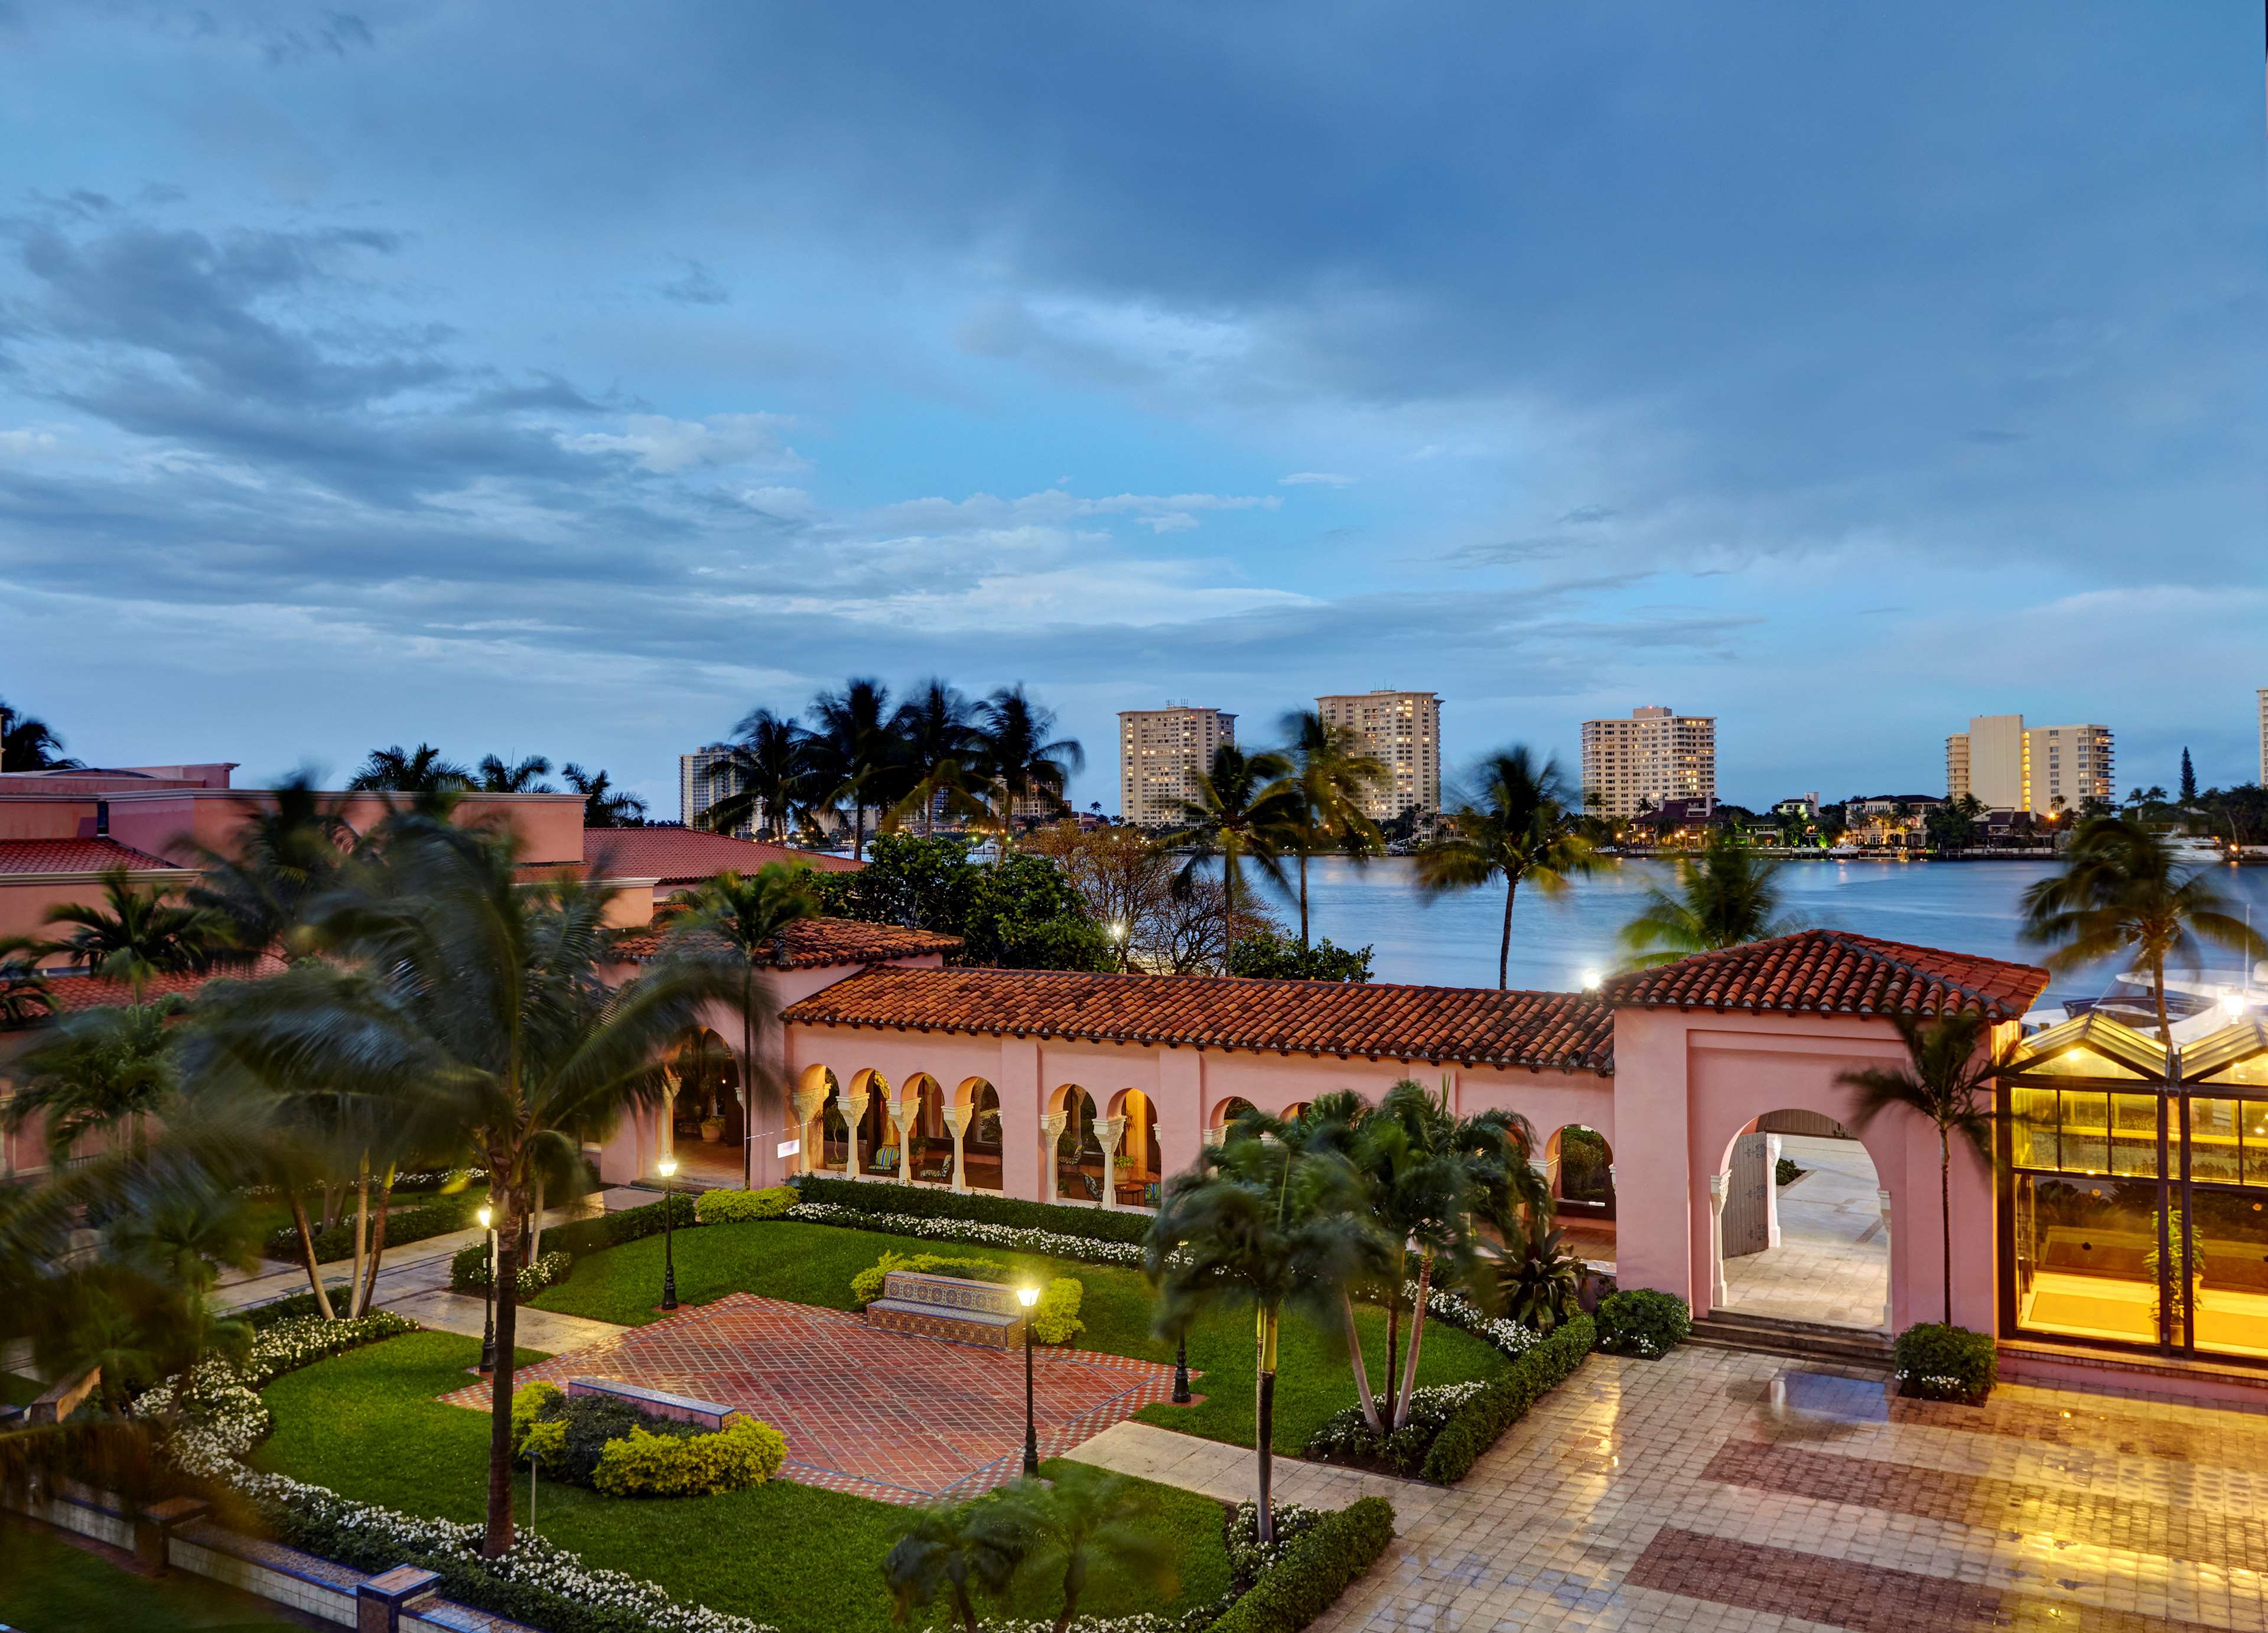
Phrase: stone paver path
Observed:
(889, 1415)
(1717, 1489)
(1738, 1493)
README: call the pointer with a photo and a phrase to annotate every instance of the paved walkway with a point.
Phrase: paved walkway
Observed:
(1833, 1263)
(1742, 1493)
(889, 1415)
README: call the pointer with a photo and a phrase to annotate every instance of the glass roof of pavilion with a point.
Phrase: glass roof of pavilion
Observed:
(2095, 1045)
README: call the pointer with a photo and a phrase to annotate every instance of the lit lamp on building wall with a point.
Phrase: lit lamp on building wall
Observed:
(1028, 1296)
(486, 1215)
(668, 1166)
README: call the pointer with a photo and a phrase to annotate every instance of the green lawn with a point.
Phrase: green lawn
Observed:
(365, 1423)
(47, 1585)
(814, 1264)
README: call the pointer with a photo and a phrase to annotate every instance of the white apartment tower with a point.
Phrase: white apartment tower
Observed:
(2263, 737)
(1402, 730)
(1161, 752)
(2009, 765)
(1656, 755)
(703, 779)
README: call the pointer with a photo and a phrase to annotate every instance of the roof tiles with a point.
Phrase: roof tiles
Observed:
(1572, 1031)
(817, 942)
(75, 856)
(678, 856)
(1835, 972)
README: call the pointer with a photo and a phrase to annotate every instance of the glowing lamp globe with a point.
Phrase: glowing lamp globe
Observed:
(1027, 1296)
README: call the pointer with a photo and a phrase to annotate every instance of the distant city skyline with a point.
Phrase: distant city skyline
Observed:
(576, 387)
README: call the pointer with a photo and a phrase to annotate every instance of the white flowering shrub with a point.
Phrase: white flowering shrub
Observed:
(531, 1279)
(1455, 1310)
(1055, 1244)
(1346, 1438)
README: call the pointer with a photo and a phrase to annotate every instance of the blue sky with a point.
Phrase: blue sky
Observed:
(572, 380)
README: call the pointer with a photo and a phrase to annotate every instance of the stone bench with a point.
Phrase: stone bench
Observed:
(682, 1408)
(951, 1307)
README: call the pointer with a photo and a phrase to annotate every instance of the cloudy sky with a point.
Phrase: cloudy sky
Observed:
(572, 378)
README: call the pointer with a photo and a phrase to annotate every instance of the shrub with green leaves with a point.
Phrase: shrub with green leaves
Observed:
(1313, 1571)
(866, 1285)
(723, 1207)
(744, 1453)
(1939, 1363)
(1504, 1400)
(468, 1271)
(1640, 1321)
(1346, 1436)
(1054, 1318)
(402, 1225)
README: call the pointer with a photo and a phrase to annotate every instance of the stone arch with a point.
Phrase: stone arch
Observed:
(1227, 1111)
(1138, 1172)
(1076, 1158)
(929, 1144)
(813, 1096)
(1818, 1249)
(876, 1136)
(1578, 1164)
(1295, 1110)
(982, 1159)
(709, 1123)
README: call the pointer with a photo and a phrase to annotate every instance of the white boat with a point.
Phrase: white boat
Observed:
(2189, 848)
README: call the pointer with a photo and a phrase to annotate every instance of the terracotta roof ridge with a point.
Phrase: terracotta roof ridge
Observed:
(1860, 942)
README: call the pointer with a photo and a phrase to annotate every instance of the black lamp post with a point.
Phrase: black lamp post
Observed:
(1182, 1371)
(668, 1166)
(1028, 1297)
(487, 1218)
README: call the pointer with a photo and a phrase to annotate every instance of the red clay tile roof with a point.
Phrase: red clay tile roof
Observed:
(685, 855)
(1837, 973)
(70, 994)
(817, 942)
(1468, 1026)
(75, 856)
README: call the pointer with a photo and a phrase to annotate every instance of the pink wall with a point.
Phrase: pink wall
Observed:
(1687, 1084)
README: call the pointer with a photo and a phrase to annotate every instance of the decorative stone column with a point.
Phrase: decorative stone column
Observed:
(852, 1169)
(809, 1103)
(1889, 1261)
(1108, 1133)
(1051, 1129)
(1717, 1184)
(668, 1143)
(956, 1123)
(1771, 1190)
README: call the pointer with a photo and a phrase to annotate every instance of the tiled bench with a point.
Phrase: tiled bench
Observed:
(683, 1409)
(950, 1307)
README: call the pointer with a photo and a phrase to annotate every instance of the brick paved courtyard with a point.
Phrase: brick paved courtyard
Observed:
(886, 1416)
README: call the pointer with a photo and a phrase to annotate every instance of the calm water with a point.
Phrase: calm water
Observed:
(1452, 940)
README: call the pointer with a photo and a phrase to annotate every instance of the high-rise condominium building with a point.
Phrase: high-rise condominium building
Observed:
(2263, 737)
(2009, 765)
(1402, 730)
(1656, 755)
(703, 779)
(1160, 751)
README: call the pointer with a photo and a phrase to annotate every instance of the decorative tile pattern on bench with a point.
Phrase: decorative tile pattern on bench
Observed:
(887, 1416)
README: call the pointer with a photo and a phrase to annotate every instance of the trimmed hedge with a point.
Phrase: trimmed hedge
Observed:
(922, 1202)
(744, 1453)
(742, 1207)
(1504, 1400)
(1313, 1571)
(866, 1285)
(403, 1225)
(263, 1316)
(1642, 1322)
(1054, 1318)
(1939, 1363)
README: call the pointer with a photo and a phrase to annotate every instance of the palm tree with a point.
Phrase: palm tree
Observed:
(501, 776)
(452, 981)
(1264, 1223)
(1947, 1081)
(853, 752)
(1726, 897)
(135, 934)
(955, 1552)
(1331, 776)
(27, 744)
(25, 994)
(769, 769)
(1512, 823)
(421, 770)
(750, 913)
(603, 805)
(286, 852)
(1083, 1518)
(102, 1068)
(1019, 758)
(2119, 890)
(1244, 809)
(937, 737)
(1428, 1174)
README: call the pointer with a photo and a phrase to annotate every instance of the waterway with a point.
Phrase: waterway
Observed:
(1968, 907)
